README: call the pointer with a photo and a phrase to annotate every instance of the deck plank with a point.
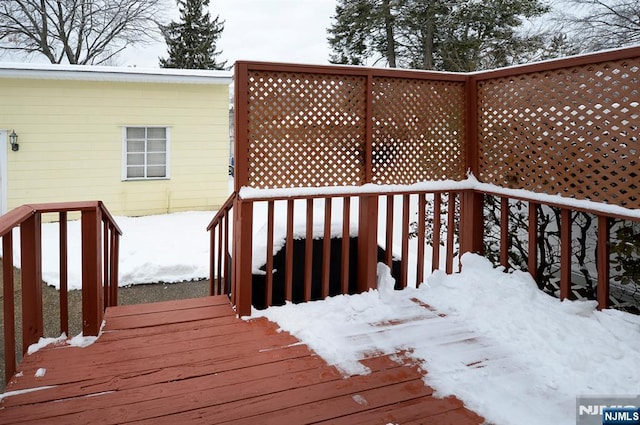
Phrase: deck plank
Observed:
(193, 361)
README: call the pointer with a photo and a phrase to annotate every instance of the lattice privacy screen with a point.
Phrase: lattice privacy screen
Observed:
(308, 130)
(417, 130)
(570, 131)
(305, 130)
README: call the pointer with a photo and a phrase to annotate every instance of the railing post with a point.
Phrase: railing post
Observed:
(31, 263)
(214, 282)
(9, 308)
(64, 295)
(368, 242)
(504, 232)
(471, 203)
(565, 253)
(241, 130)
(92, 302)
(115, 258)
(471, 222)
(604, 224)
(532, 262)
(242, 261)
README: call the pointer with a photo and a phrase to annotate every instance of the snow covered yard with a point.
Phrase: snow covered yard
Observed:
(158, 248)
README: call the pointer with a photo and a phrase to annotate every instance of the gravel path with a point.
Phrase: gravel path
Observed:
(136, 294)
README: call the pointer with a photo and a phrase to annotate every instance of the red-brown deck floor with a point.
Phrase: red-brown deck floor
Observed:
(193, 361)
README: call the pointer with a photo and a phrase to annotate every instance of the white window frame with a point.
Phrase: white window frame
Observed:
(167, 175)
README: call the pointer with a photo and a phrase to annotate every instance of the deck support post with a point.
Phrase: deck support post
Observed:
(471, 222)
(92, 294)
(31, 264)
(471, 202)
(242, 261)
(367, 242)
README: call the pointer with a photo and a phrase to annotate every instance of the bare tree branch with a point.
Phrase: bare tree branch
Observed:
(602, 24)
(78, 31)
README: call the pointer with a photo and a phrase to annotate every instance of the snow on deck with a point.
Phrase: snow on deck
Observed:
(512, 353)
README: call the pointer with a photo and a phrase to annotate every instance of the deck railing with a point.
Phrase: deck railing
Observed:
(100, 246)
(381, 222)
(566, 229)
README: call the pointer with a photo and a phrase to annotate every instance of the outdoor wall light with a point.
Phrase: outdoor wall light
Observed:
(13, 139)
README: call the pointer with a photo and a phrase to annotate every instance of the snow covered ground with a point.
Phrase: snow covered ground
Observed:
(512, 353)
(157, 248)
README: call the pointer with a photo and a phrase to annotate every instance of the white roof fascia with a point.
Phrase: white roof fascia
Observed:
(109, 73)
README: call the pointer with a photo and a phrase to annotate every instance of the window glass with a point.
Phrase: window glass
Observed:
(135, 159)
(145, 153)
(135, 146)
(156, 133)
(135, 133)
(156, 171)
(157, 145)
(135, 172)
(155, 159)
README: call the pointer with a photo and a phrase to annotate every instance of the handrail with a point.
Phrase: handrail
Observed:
(18, 215)
(14, 218)
(573, 204)
(223, 211)
(100, 245)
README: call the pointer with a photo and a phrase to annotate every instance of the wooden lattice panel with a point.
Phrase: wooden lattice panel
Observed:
(305, 130)
(417, 130)
(571, 131)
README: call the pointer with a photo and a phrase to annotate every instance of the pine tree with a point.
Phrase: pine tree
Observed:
(461, 35)
(349, 33)
(192, 41)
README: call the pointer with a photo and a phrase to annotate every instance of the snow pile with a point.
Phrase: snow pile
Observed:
(512, 353)
(79, 340)
(43, 342)
(164, 248)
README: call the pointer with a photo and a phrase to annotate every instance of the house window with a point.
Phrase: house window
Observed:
(146, 153)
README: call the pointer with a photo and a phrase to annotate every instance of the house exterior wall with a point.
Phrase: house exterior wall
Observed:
(71, 143)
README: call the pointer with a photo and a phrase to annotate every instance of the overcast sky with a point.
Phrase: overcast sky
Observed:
(265, 30)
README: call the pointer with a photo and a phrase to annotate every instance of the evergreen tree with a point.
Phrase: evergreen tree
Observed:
(358, 33)
(484, 35)
(462, 35)
(192, 41)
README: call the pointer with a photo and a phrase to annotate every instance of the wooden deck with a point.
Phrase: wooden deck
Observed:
(193, 361)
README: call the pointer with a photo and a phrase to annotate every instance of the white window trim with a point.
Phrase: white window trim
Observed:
(124, 154)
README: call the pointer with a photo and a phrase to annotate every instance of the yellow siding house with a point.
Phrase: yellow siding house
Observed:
(142, 141)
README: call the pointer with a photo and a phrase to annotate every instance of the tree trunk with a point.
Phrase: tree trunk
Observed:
(428, 34)
(388, 25)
